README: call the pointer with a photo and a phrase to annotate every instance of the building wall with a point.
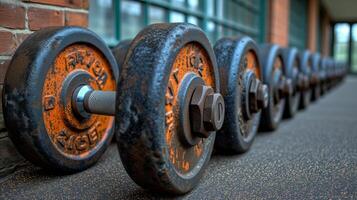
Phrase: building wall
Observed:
(278, 30)
(326, 35)
(313, 16)
(18, 19)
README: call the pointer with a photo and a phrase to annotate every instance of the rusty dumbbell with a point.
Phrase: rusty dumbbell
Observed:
(290, 57)
(243, 91)
(46, 124)
(306, 63)
(315, 81)
(279, 84)
(61, 101)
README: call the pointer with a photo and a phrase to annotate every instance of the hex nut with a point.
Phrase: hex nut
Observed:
(253, 93)
(213, 113)
(263, 96)
(196, 110)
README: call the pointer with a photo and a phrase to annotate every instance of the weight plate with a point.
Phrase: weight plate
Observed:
(119, 52)
(271, 57)
(323, 75)
(306, 65)
(43, 74)
(330, 73)
(149, 132)
(236, 57)
(315, 90)
(292, 67)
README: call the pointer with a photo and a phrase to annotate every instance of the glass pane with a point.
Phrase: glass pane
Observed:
(156, 15)
(219, 32)
(177, 17)
(219, 9)
(180, 3)
(342, 32)
(210, 7)
(211, 31)
(132, 18)
(101, 19)
(354, 50)
(195, 4)
(193, 20)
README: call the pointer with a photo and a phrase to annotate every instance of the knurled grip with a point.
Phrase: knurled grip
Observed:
(100, 102)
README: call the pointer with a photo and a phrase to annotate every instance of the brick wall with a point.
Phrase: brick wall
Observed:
(313, 16)
(279, 22)
(326, 35)
(18, 19)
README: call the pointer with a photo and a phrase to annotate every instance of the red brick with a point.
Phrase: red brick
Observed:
(313, 15)
(7, 43)
(63, 3)
(18, 38)
(279, 25)
(3, 67)
(76, 19)
(39, 18)
(12, 16)
(86, 4)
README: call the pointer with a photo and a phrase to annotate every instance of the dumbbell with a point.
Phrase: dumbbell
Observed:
(329, 73)
(323, 75)
(38, 107)
(291, 60)
(306, 73)
(343, 71)
(244, 93)
(315, 78)
(280, 86)
(63, 93)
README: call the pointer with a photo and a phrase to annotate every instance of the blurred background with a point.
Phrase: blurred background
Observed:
(325, 26)
(322, 160)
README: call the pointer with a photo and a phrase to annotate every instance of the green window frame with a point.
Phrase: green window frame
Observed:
(227, 17)
(298, 24)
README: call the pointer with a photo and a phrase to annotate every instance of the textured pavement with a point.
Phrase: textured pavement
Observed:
(313, 156)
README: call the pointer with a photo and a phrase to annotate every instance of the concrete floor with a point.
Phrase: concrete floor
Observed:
(313, 156)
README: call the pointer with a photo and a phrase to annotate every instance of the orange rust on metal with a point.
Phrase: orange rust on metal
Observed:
(191, 58)
(252, 64)
(71, 136)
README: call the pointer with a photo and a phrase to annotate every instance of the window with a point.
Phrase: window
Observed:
(345, 44)
(115, 20)
(342, 35)
(102, 19)
(298, 24)
(354, 49)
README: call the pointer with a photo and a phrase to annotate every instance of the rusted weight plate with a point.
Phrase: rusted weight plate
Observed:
(150, 131)
(315, 83)
(236, 58)
(119, 52)
(291, 65)
(273, 75)
(306, 69)
(43, 74)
